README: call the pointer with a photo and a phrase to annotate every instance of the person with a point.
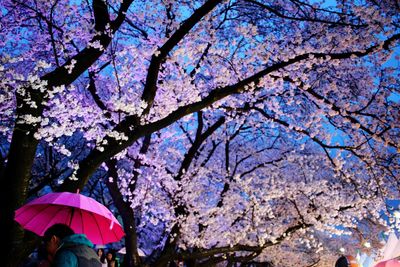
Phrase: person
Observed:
(67, 249)
(38, 258)
(111, 259)
(102, 257)
(346, 261)
(43, 257)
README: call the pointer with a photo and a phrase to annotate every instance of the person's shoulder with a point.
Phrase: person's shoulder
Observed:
(64, 258)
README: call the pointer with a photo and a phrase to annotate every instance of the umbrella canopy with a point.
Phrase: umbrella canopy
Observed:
(392, 247)
(140, 252)
(389, 263)
(83, 214)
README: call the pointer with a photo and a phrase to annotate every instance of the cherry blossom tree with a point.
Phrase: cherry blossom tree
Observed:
(240, 212)
(110, 75)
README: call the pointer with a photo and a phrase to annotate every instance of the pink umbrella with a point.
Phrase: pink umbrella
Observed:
(83, 214)
(389, 263)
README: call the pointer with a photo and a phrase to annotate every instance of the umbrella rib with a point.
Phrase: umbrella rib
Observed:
(55, 215)
(46, 206)
(82, 222)
(115, 234)
(62, 208)
(37, 213)
(72, 216)
(98, 227)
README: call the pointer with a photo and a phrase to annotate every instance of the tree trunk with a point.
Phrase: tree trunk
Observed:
(191, 263)
(131, 258)
(168, 252)
(13, 190)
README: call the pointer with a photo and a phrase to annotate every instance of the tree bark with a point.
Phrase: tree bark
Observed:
(15, 180)
(131, 258)
(16, 176)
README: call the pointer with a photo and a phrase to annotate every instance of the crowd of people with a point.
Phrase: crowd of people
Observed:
(107, 259)
(61, 247)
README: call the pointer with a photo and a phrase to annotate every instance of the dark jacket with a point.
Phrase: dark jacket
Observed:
(76, 251)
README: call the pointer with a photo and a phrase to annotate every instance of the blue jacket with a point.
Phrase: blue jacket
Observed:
(76, 251)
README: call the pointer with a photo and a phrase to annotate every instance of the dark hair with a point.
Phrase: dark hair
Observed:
(60, 230)
(112, 252)
(103, 255)
(342, 262)
(114, 257)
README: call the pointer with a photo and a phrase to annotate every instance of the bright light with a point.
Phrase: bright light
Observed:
(367, 244)
(396, 214)
(342, 250)
(358, 257)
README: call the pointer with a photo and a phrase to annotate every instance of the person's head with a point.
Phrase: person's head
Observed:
(101, 254)
(53, 236)
(110, 256)
(346, 261)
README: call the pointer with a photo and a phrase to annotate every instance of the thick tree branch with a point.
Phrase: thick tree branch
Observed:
(213, 251)
(150, 89)
(95, 158)
(23, 143)
(199, 140)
